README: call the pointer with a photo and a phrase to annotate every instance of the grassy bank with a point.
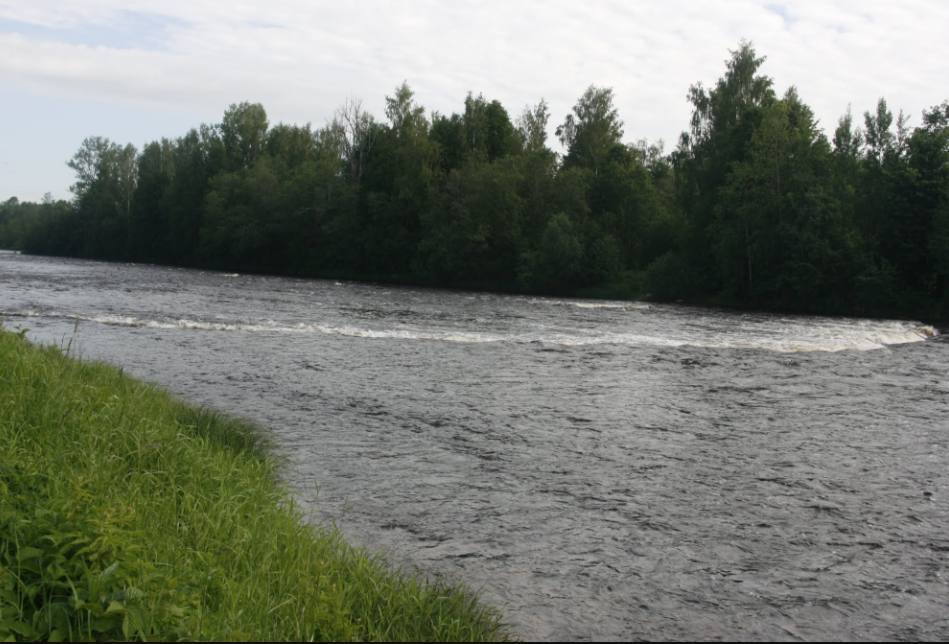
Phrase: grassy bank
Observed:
(126, 514)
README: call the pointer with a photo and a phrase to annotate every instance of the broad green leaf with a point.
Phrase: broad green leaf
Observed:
(115, 608)
(105, 625)
(20, 628)
(134, 622)
(108, 572)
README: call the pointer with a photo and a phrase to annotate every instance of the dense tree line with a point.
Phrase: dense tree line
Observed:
(756, 205)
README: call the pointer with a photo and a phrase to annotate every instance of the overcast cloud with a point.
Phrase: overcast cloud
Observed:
(130, 69)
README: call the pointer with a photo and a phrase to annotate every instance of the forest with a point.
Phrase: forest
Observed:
(755, 207)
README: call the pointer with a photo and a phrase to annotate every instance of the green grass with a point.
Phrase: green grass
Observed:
(127, 514)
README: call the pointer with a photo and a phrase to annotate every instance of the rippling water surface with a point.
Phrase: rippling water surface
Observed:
(600, 470)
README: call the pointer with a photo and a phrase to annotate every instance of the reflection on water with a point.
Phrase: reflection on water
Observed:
(601, 470)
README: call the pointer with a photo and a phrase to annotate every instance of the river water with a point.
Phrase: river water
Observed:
(598, 470)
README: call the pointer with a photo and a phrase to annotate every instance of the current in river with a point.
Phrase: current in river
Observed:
(598, 470)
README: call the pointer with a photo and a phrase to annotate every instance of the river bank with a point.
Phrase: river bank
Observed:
(602, 471)
(127, 514)
(629, 286)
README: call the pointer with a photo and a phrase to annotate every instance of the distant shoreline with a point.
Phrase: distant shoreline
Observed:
(606, 292)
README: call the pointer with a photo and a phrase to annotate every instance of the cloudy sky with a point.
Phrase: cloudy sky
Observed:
(134, 71)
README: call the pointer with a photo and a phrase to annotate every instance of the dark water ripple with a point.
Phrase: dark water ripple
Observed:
(594, 491)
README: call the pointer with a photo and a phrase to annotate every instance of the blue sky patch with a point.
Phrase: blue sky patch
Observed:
(130, 30)
(782, 11)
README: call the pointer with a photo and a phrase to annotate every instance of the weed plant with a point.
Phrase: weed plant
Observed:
(126, 514)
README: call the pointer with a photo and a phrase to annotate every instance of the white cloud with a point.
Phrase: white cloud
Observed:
(302, 58)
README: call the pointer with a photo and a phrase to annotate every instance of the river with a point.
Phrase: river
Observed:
(599, 470)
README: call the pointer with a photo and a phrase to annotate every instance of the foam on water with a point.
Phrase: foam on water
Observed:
(622, 306)
(821, 335)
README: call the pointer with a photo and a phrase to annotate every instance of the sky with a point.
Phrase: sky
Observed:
(134, 71)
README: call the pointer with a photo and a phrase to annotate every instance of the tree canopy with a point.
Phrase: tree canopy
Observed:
(755, 206)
